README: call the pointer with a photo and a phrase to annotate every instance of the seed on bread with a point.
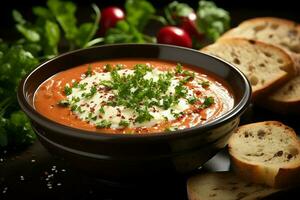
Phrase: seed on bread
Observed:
(266, 153)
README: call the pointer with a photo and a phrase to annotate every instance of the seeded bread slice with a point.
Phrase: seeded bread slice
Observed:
(224, 186)
(265, 65)
(281, 32)
(267, 153)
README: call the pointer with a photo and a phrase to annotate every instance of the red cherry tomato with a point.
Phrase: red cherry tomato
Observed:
(175, 36)
(189, 25)
(109, 17)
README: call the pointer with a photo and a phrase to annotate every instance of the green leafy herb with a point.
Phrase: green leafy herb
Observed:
(205, 84)
(89, 71)
(208, 101)
(92, 92)
(138, 13)
(101, 110)
(74, 107)
(192, 100)
(107, 68)
(64, 103)
(103, 124)
(124, 32)
(82, 86)
(212, 20)
(15, 129)
(119, 66)
(143, 115)
(175, 11)
(178, 69)
(67, 90)
(124, 123)
(79, 109)
(75, 84)
(130, 30)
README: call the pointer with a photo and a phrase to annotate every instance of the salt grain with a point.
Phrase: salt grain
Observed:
(4, 190)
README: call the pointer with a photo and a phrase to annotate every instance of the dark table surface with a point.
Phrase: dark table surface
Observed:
(35, 174)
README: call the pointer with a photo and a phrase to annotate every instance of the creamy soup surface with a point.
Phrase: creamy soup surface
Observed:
(128, 96)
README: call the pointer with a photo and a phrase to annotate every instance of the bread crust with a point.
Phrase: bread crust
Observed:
(282, 105)
(225, 186)
(262, 173)
(271, 85)
(284, 22)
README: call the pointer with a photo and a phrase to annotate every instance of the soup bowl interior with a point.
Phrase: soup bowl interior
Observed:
(133, 156)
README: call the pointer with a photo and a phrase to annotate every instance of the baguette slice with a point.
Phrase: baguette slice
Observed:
(280, 32)
(266, 153)
(284, 34)
(224, 186)
(286, 99)
(265, 65)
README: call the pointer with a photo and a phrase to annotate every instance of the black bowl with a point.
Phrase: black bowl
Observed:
(130, 157)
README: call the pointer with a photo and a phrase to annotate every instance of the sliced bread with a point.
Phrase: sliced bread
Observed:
(265, 65)
(284, 34)
(266, 153)
(281, 32)
(224, 186)
(286, 99)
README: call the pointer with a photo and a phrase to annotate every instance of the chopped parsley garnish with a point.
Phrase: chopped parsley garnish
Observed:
(79, 109)
(82, 86)
(75, 84)
(75, 99)
(107, 68)
(208, 101)
(103, 124)
(143, 115)
(124, 123)
(171, 128)
(180, 91)
(119, 66)
(63, 103)
(92, 92)
(68, 90)
(192, 100)
(74, 107)
(89, 71)
(133, 91)
(178, 69)
(205, 84)
(101, 110)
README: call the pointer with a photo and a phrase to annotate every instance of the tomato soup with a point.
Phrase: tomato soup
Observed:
(131, 96)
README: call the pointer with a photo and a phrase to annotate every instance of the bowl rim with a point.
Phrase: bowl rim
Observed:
(35, 116)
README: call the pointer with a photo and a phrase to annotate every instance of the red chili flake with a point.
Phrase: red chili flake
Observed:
(111, 97)
(198, 92)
